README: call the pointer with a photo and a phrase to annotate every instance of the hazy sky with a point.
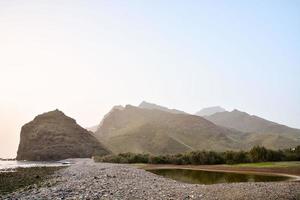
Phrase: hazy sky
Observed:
(83, 57)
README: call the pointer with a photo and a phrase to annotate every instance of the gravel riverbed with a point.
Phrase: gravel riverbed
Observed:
(88, 180)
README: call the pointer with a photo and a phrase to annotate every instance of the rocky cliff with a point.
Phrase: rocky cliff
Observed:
(55, 136)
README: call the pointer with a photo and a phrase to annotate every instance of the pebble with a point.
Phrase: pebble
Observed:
(88, 180)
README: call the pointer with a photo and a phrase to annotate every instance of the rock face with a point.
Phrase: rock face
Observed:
(55, 136)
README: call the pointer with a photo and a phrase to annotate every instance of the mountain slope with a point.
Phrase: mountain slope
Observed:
(210, 111)
(248, 123)
(55, 136)
(260, 131)
(133, 129)
(152, 106)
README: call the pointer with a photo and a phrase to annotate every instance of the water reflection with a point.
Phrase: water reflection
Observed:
(208, 177)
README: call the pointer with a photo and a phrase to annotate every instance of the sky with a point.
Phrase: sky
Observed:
(84, 57)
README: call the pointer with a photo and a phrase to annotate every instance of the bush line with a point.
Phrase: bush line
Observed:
(256, 154)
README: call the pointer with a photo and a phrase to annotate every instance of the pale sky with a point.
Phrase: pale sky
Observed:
(84, 57)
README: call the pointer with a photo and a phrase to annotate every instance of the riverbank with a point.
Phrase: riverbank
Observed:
(88, 180)
(290, 169)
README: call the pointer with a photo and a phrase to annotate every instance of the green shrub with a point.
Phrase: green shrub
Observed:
(256, 154)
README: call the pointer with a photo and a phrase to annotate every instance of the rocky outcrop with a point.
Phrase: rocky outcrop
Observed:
(55, 136)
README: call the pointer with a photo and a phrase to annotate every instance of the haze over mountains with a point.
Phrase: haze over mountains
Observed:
(261, 131)
(138, 130)
(92, 128)
(248, 123)
(210, 111)
(153, 129)
(128, 125)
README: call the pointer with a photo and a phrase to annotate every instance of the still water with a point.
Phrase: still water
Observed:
(12, 164)
(209, 177)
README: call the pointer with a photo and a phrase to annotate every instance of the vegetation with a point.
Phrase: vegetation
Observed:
(256, 154)
(23, 177)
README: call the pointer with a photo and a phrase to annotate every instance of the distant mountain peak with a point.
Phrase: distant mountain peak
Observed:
(238, 111)
(143, 103)
(210, 111)
(114, 109)
(119, 107)
(246, 122)
(152, 106)
(53, 112)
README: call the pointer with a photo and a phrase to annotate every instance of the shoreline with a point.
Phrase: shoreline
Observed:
(86, 179)
(292, 177)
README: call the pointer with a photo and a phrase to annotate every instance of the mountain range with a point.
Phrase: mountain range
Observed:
(151, 128)
(260, 131)
(248, 123)
(138, 130)
(155, 129)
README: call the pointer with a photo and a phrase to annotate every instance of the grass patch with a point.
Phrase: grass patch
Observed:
(268, 164)
(23, 177)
